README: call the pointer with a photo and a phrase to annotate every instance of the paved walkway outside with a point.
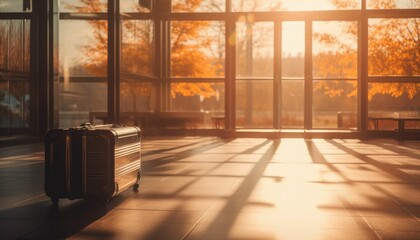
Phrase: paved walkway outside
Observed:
(211, 188)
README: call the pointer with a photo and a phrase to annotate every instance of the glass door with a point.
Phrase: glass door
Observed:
(292, 74)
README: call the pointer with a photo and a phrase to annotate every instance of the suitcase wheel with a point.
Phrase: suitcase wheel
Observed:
(55, 200)
(137, 185)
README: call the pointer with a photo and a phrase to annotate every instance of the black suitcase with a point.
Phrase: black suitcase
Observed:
(92, 162)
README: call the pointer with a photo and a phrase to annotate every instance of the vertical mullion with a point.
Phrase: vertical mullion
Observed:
(113, 114)
(363, 72)
(308, 75)
(51, 61)
(230, 81)
(158, 61)
(277, 94)
(41, 104)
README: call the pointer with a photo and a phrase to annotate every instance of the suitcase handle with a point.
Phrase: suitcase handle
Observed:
(89, 126)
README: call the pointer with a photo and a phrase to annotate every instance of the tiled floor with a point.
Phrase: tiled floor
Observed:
(210, 188)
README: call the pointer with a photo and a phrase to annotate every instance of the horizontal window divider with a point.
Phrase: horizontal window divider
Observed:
(400, 79)
(135, 77)
(84, 79)
(254, 78)
(334, 79)
(195, 80)
(83, 16)
(17, 79)
(135, 16)
(393, 13)
(267, 16)
(292, 79)
(15, 15)
(192, 16)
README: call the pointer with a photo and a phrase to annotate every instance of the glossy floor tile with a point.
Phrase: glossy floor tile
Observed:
(211, 188)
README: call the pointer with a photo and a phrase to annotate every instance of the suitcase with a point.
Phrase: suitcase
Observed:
(92, 162)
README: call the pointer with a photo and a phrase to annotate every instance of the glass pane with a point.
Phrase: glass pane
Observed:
(394, 47)
(136, 96)
(293, 101)
(198, 6)
(79, 101)
(335, 49)
(16, 5)
(293, 49)
(197, 103)
(14, 73)
(82, 86)
(315, 5)
(393, 4)
(292, 5)
(83, 6)
(389, 100)
(256, 5)
(334, 104)
(136, 6)
(254, 49)
(137, 49)
(83, 48)
(254, 104)
(136, 102)
(197, 49)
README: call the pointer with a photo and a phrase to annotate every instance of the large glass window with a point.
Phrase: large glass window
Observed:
(81, 90)
(14, 73)
(293, 72)
(83, 61)
(137, 65)
(198, 53)
(254, 74)
(335, 74)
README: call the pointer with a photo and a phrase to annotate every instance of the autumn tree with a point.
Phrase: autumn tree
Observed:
(189, 58)
(394, 50)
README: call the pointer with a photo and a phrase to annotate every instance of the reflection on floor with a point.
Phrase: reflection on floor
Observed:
(211, 188)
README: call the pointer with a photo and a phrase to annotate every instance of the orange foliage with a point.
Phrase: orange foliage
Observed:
(393, 51)
(187, 57)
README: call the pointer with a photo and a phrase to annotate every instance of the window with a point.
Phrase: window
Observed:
(14, 73)
(394, 47)
(335, 74)
(197, 49)
(81, 89)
